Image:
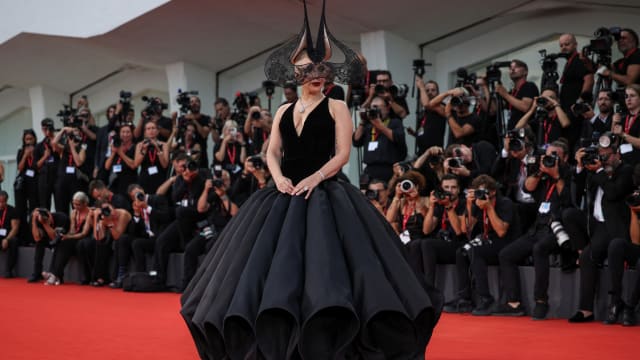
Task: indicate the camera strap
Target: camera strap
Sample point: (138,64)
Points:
(485,225)
(79,222)
(328,89)
(547,125)
(550,188)
(152,155)
(30,161)
(628,122)
(4,215)
(232,154)
(407,214)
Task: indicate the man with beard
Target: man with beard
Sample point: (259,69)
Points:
(430,128)
(520,98)
(201,123)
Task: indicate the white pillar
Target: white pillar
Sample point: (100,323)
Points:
(45,102)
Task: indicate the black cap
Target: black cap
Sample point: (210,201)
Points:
(46,122)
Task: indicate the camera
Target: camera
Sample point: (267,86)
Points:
(218,183)
(44,213)
(477,241)
(140,196)
(257,162)
(561,235)
(372,194)
(395,91)
(155,106)
(542,101)
(533,165)
(582,104)
(493,71)
(256,115)
(457,101)
(444,235)
(455,162)
(192,165)
(405,166)
(406,185)
(116,140)
(464,78)
(550,68)
(482,194)
(269,87)
(372,113)
(184,100)
(516,139)
(550,161)
(105,212)
(441,194)
(590,156)
(418,67)
(601,45)
(633,200)
(435,159)
(207,230)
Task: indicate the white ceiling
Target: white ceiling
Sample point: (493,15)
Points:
(218,34)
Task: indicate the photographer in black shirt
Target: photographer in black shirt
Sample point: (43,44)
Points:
(255,176)
(431,127)
(9,227)
(201,123)
(545,118)
(385,89)
(626,71)
(463,124)
(594,124)
(469,162)
(47,161)
(47,229)
(520,98)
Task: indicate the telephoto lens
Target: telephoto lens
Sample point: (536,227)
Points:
(561,235)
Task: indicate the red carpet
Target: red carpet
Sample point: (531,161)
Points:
(78,322)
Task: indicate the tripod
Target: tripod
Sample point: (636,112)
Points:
(501,127)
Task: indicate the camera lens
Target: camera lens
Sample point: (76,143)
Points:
(406,185)
(106,211)
(192,166)
(140,196)
(256,115)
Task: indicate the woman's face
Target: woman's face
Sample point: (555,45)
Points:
(29,139)
(151,130)
(310,75)
(78,205)
(125,134)
(632,100)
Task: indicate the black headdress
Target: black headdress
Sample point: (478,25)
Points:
(280,67)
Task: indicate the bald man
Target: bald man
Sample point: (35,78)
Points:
(577,77)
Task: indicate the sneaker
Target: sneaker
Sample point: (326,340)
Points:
(508,310)
(629,316)
(614,312)
(540,311)
(52,280)
(458,305)
(484,306)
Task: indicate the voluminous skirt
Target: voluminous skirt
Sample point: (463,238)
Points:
(323,278)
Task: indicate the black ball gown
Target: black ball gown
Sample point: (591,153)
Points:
(323,278)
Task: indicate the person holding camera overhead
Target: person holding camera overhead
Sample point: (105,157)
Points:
(382,136)
(70,146)
(625,71)
(121,163)
(231,152)
(550,119)
(549,186)
(489,224)
(606,181)
(408,209)
(46,229)
(153,113)
(47,160)
(463,124)
(192,104)
(81,222)
(626,126)
(520,98)
(152,157)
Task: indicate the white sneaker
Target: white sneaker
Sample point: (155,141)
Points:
(52,280)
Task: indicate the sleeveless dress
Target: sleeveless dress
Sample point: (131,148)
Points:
(323,278)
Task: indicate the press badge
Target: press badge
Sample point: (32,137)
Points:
(184,203)
(237,169)
(117,168)
(404,237)
(30,173)
(626,148)
(373,146)
(71,170)
(152,170)
(420,131)
(3,232)
(544,208)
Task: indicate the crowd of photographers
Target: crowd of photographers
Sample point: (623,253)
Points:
(544,175)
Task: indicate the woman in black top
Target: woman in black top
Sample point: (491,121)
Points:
(26,184)
(120,164)
(69,144)
(408,208)
(152,156)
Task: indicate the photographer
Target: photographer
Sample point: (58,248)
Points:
(197,119)
(110,230)
(47,161)
(577,75)
(121,164)
(69,144)
(290,90)
(150,217)
(378,194)
(185,193)
(218,209)
(521,97)
(104,139)
(431,165)
(606,181)
(9,228)
(255,176)
(443,229)
(489,225)
(46,229)
(510,169)
(187,144)
(153,113)
(408,209)
(25,186)
(545,117)
(152,157)
(597,124)
(390,93)
(463,124)
(628,128)
(626,71)
(223,113)
(257,128)
(621,251)
(100,193)
(231,152)
(431,128)
(79,228)
(469,162)
(550,188)
(382,136)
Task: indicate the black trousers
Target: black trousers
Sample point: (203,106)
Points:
(621,251)
(46,185)
(194,248)
(12,255)
(140,247)
(476,261)
(103,252)
(175,237)
(539,242)
(65,187)
(575,223)
(64,251)
(122,248)
(425,254)
(26,199)
(38,256)
(86,251)
(591,260)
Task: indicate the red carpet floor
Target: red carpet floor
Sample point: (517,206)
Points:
(77,322)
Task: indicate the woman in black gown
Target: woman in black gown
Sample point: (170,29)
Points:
(311,269)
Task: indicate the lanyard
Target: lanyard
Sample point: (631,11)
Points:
(485,225)
(30,161)
(232,154)
(406,215)
(70,159)
(550,189)
(566,66)
(628,123)
(547,125)
(4,215)
(79,222)
(424,121)
(152,155)
(515,92)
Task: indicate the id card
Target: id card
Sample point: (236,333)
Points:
(71,170)
(3,232)
(544,208)
(626,148)
(30,173)
(420,131)
(117,168)
(237,169)
(404,237)
(373,146)
(50,159)
(184,203)
(152,170)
